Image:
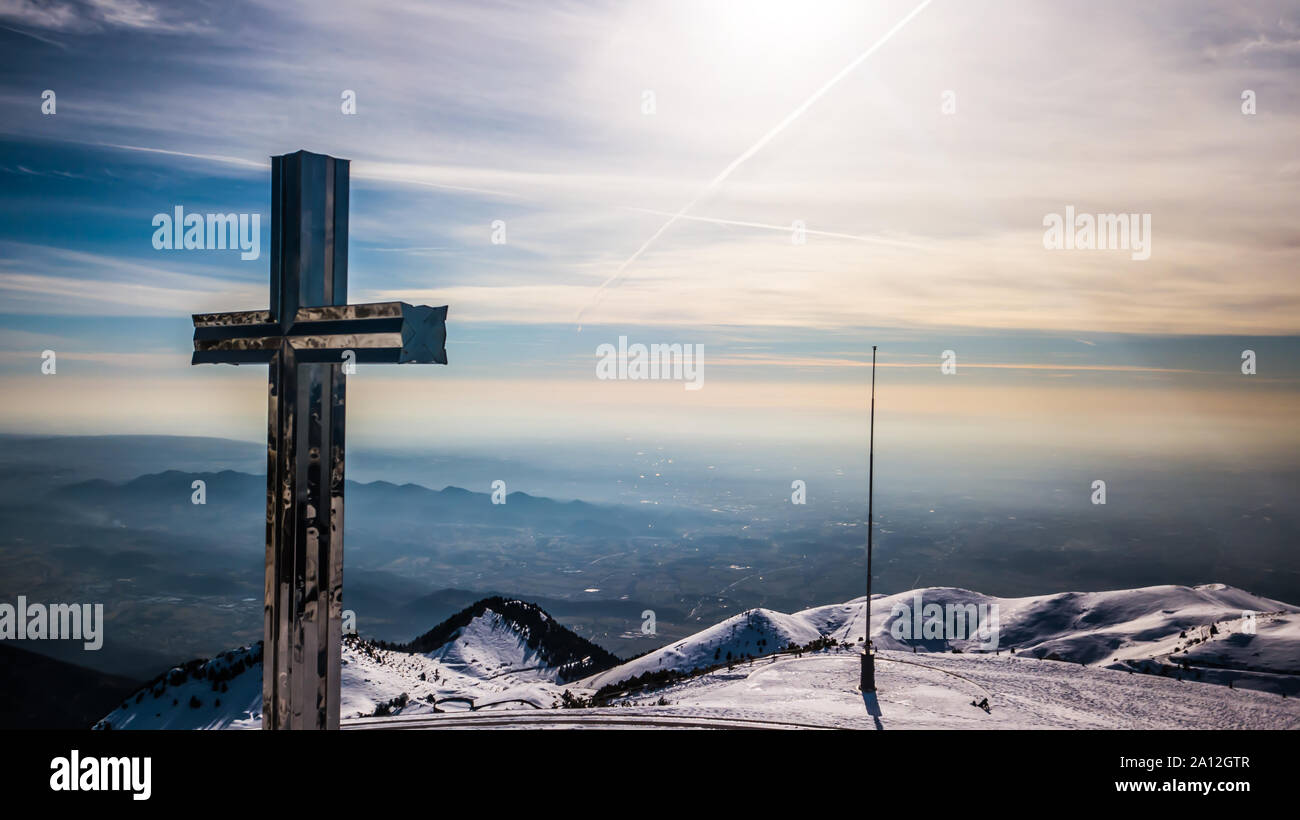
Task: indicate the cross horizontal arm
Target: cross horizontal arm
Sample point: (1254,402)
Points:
(378,333)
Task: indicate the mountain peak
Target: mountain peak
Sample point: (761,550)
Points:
(509,634)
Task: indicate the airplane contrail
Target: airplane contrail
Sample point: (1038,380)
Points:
(880,240)
(749,152)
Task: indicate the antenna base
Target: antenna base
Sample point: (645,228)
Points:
(867,679)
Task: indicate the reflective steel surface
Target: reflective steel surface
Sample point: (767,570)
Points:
(303,339)
(393,332)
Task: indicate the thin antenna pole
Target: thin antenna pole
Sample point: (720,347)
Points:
(867,683)
(871,475)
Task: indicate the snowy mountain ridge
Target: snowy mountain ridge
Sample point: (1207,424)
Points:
(495,650)
(1057,656)
(1146,629)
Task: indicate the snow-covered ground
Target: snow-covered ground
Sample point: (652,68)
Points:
(940,692)
(1070,660)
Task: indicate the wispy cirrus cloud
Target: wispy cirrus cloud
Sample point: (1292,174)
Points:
(82,16)
(45,280)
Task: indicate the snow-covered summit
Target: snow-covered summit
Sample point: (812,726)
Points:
(499,635)
(750,634)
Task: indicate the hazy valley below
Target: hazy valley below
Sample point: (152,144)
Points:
(111,520)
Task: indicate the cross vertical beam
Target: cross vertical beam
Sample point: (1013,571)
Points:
(303,604)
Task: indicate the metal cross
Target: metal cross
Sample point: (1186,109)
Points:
(307,337)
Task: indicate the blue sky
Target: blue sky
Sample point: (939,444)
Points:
(925,227)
